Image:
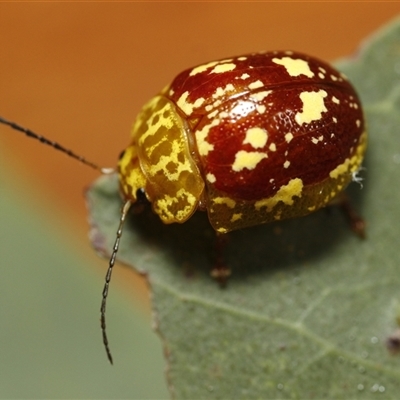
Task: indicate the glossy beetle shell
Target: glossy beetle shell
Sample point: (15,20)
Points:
(252,139)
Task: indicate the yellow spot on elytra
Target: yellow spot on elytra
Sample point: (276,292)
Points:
(321,75)
(242,58)
(313,107)
(259,96)
(182,101)
(256,137)
(236,217)
(352,164)
(335,100)
(334,119)
(289,137)
(294,67)
(358,123)
(186,106)
(202,145)
(285,194)
(211,178)
(221,68)
(255,85)
(220,91)
(212,114)
(334,78)
(225,200)
(244,76)
(202,68)
(286,164)
(247,159)
(272,147)
(261,109)
(317,140)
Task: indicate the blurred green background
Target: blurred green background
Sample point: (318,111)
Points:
(78,73)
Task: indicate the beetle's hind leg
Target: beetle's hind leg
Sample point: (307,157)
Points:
(356,222)
(221,271)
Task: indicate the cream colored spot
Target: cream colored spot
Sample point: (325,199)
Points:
(186,106)
(272,147)
(261,109)
(313,107)
(182,101)
(247,159)
(245,76)
(358,123)
(321,75)
(202,145)
(286,164)
(211,178)
(221,68)
(202,68)
(225,200)
(340,169)
(220,91)
(199,102)
(285,194)
(334,78)
(256,137)
(289,137)
(236,217)
(294,67)
(323,70)
(335,100)
(255,85)
(259,96)
(212,114)
(317,140)
(217,103)
(334,119)
(242,58)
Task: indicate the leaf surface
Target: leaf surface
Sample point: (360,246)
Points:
(309,307)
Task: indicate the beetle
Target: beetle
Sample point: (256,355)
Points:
(249,139)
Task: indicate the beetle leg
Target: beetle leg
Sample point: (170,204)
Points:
(357,223)
(220,272)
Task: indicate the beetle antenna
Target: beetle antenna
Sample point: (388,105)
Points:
(55,145)
(124,212)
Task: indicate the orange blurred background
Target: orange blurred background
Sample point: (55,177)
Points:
(79,72)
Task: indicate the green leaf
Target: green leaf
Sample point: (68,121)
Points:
(309,307)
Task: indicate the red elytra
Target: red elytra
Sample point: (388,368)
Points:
(268,136)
